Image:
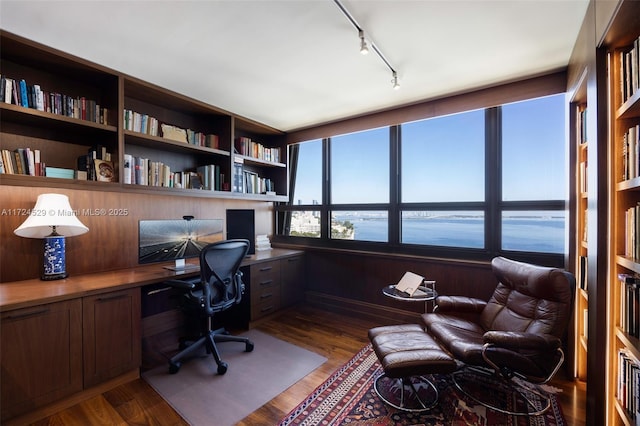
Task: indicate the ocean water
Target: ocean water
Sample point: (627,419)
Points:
(543,235)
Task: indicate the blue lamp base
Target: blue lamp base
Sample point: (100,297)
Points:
(55,265)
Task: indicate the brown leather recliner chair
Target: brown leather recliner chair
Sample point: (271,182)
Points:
(517,333)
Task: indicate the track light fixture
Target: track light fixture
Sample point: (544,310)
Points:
(394,81)
(364,48)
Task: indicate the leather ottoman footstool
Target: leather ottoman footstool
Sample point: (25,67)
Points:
(407,354)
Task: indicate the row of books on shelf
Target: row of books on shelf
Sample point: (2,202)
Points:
(250,148)
(143,171)
(630,70)
(144,123)
(95,165)
(632,232)
(254,184)
(249,182)
(630,153)
(630,304)
(22,161)
(19,92)
(628,385)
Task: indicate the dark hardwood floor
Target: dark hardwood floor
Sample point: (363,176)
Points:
(335,336)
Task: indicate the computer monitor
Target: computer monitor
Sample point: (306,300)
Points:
(176,239)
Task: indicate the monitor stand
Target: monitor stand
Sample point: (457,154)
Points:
(181,266)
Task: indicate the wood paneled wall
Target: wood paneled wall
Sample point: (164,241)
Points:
(336,276)
(112,240)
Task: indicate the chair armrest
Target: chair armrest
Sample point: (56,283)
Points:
(518,340)
(182,285)
(459,304)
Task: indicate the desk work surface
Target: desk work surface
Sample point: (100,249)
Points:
(34,292)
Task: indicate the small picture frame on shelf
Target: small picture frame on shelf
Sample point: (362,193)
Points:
(104,171)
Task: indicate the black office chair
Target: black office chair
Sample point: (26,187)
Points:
(219,287)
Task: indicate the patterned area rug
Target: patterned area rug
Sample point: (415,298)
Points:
(348,398)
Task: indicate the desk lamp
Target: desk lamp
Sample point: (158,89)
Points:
(53,220)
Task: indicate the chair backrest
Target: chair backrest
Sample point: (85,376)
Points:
(529,298)
(220,273)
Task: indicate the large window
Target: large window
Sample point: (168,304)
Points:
(533,150)
(443,228)
(482,182)
(443,159)
(306,167)
(360,167)
(534,172)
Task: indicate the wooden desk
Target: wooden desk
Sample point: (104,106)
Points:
(67,340)
(35,292)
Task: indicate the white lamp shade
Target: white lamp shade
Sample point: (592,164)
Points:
(51,210)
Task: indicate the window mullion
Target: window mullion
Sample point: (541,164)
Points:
(493,173)
(394,183)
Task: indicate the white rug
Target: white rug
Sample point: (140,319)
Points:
(202,397)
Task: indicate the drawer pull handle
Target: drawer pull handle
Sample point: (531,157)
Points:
(266,295)
(266,268)
(112,297)
(159,290)
(295,259)
(28,314)
(266,282)
(266,309)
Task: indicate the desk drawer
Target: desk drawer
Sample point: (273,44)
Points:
(265,288)
(265,271)
(269,303)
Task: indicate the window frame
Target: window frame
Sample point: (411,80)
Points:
(493,205)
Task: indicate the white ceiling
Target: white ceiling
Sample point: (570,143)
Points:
(291,64)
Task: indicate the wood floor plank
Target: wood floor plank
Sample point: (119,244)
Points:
(335,336)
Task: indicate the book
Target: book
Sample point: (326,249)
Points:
(8,89)
(409,283)
(60,173)
(128,169)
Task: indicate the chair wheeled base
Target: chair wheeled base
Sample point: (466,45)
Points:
(416,393)
(529,408)
(209,342)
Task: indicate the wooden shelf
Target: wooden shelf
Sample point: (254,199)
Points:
(61,140)
(252,160)
(164,144)
(19,114)
(621,34)
(629,109)
(629,185)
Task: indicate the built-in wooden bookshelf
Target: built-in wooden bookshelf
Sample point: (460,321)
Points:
(622,47)
(579,140)
(189,152)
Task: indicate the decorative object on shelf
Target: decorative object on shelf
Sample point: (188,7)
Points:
(52,219)
(263,243)
(173,133)
(104,171)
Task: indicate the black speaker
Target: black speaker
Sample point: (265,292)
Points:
(241,225)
